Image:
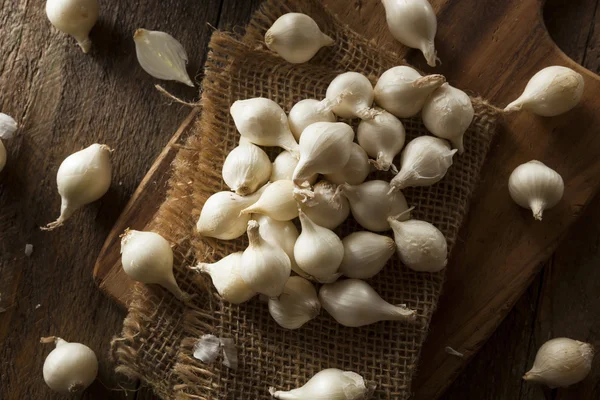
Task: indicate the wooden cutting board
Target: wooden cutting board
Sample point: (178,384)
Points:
(489,48)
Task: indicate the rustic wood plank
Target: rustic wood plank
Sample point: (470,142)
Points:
(512,347)
(65,100)
(150,192)
(569,303)
(572,26)
(495,373)
(236,14)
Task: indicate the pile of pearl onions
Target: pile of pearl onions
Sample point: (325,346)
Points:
(296,38)
(561,362)
(75,18)
(82,178)
(147,257)
(550,92)
(69,368)
(447,114)
(413,23)
(535,186)
(402,91)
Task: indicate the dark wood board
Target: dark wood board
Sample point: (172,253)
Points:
(34,69)
(499,365)
(65,100)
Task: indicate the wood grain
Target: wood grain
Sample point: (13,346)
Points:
(497,375)
(65,100)
(569,302)
(510,351)
(138,213)
(150,194)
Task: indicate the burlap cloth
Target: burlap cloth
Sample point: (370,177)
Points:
(159,331)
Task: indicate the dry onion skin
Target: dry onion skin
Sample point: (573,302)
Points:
(161,55)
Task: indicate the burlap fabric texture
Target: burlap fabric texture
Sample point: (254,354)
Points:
(159,331)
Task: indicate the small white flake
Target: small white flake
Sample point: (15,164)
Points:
(207,348)
(230,354)
(28,249)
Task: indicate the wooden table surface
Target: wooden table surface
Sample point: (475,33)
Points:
(65,100)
